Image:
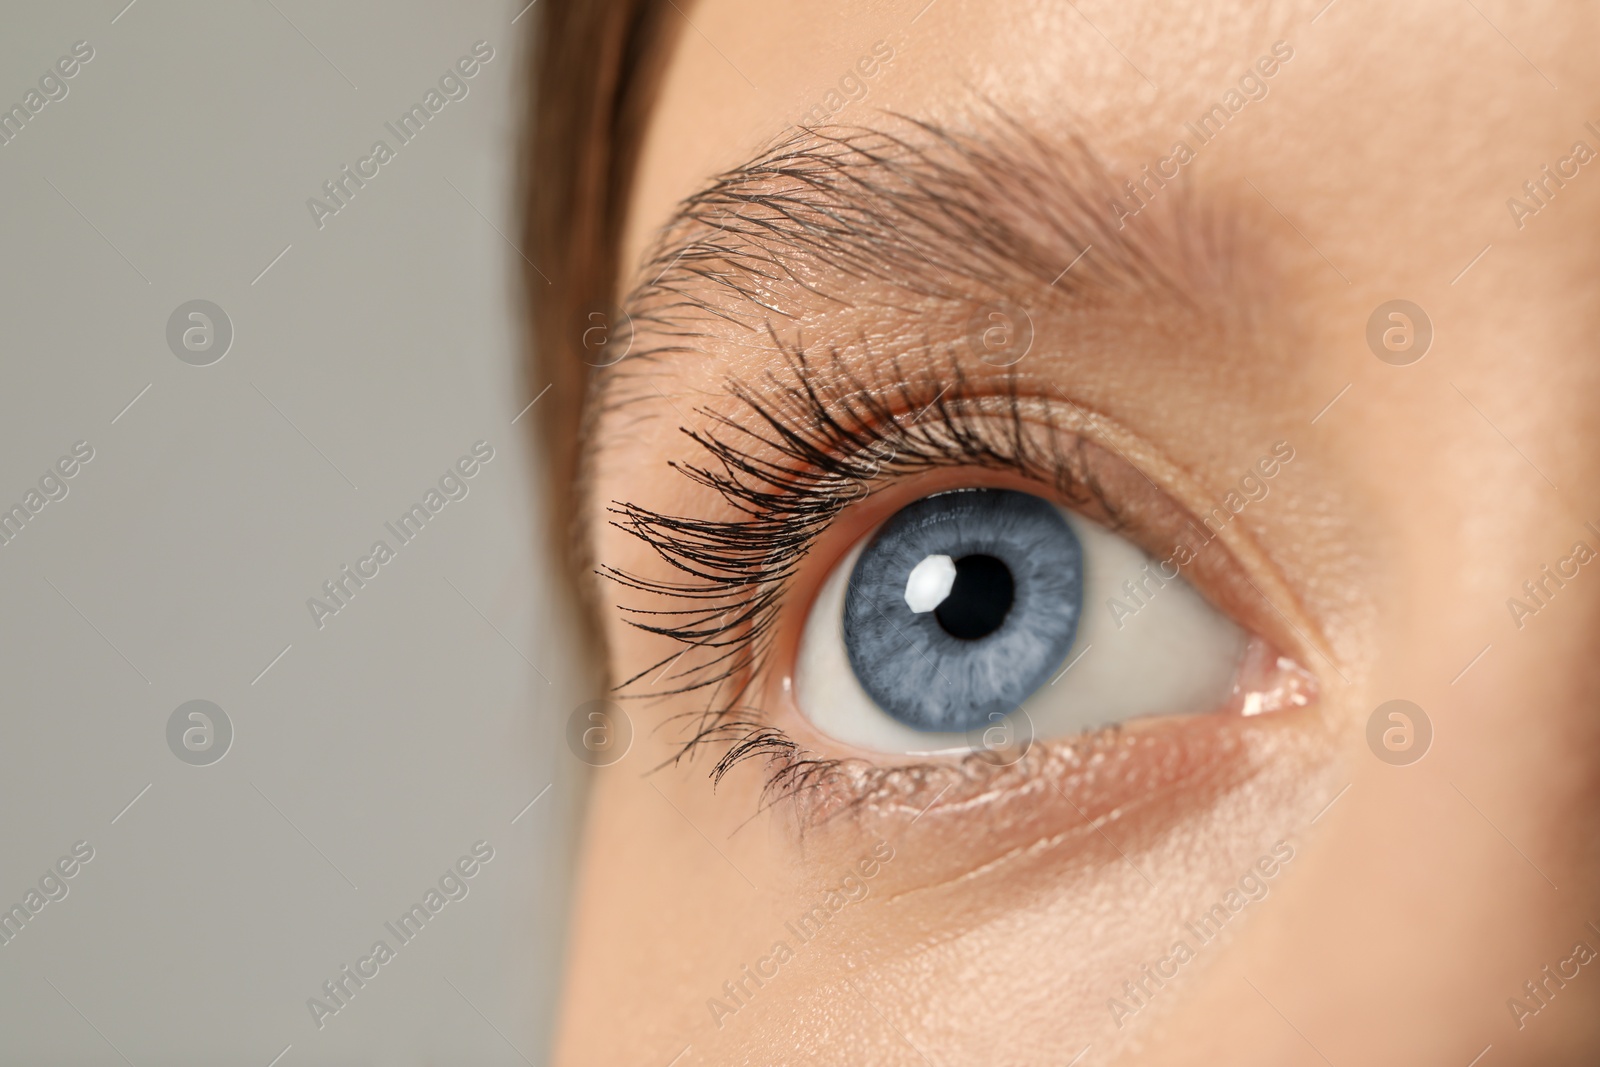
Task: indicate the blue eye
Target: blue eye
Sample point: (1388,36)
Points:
(962,605)
(967,606)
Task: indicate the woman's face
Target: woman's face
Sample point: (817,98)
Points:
(1263,339)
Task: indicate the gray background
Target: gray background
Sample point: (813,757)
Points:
(429,712)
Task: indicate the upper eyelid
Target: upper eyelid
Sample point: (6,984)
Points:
(1198,499)
(706,284)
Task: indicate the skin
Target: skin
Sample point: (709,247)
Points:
(1383,558)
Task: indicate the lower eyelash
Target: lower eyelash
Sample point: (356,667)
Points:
(817,442)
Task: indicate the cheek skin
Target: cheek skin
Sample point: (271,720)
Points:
(1015,901)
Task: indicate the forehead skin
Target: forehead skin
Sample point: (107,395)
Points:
(1378,166)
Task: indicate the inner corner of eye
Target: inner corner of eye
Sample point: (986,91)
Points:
(965,609)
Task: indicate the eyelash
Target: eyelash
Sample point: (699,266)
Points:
(820,443)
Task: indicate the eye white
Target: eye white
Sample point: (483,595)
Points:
(1156,647)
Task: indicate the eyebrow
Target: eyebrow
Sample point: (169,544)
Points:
(920,213)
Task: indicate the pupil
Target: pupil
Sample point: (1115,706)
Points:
(979,599)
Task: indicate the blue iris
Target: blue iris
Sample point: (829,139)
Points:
(1000,628)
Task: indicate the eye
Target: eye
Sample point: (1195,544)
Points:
(966,606)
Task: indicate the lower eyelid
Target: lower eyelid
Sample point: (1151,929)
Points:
(1056,807)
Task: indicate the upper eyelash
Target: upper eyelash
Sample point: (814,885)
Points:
(817,442)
